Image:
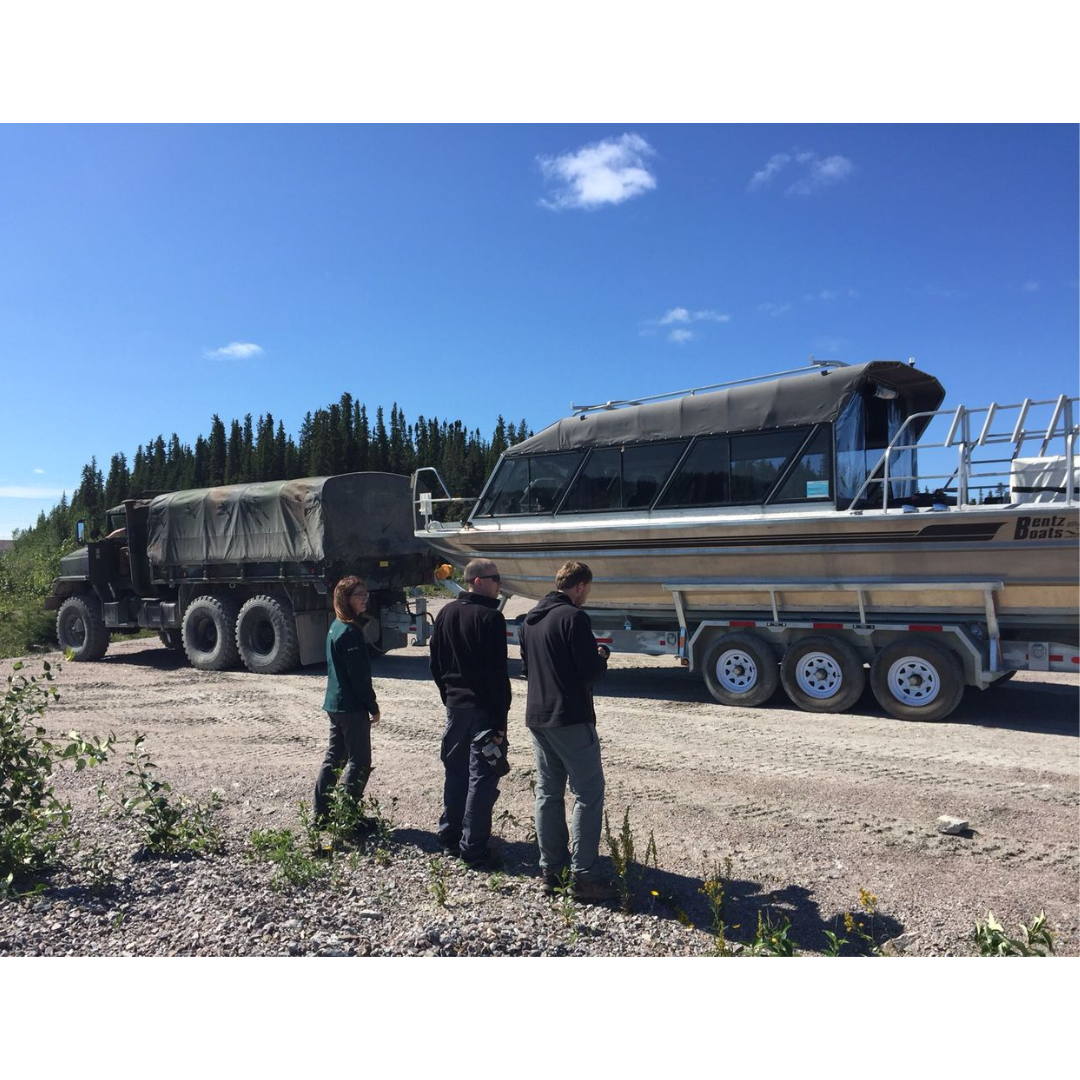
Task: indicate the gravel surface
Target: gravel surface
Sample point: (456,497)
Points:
(807,809)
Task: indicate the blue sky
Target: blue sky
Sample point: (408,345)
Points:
(153,275)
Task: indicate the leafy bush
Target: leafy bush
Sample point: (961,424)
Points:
(168,824)
(33,820)
(295,866)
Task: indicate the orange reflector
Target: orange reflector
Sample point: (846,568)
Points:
(443,572)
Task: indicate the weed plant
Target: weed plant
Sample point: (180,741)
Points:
(624,858)
(168,824)
(33,820)
(438,879)
(1034,940)
(293,861)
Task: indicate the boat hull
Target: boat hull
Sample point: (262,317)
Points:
(1031,550)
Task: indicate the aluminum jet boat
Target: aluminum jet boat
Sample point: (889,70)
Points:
(800,493)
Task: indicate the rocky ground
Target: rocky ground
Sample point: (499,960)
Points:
(797,812)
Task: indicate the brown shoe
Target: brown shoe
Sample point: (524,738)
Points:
(590,890)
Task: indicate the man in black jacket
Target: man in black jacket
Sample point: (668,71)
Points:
(468,664)
(561,660)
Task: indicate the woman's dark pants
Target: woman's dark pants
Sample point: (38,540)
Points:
(350,745)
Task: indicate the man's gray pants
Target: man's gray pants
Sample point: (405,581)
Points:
(568,755)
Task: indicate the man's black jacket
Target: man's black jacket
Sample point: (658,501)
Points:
(468,656)
(561,662)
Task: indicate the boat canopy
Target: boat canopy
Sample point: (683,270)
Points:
(797,400)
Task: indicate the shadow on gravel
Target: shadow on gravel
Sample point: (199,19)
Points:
(156,657)
(680,898)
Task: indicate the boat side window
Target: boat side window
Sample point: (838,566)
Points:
(599,484)
(702,479)
(529,485)
(758,460)
(811,478)
(623,478)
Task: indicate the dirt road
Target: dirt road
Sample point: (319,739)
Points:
(809,809)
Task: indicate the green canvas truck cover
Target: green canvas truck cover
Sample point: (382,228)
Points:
(335,520)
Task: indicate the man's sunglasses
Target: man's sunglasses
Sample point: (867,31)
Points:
(488,577)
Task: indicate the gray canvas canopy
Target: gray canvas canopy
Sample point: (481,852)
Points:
(339,520)
(794,401)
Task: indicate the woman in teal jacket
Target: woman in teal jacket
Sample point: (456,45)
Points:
(350,698)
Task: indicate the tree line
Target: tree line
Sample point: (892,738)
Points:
(337,439)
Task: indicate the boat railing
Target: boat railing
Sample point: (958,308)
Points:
(814,365)
(424,502)
(987,442)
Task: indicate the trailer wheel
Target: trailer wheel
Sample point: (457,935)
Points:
(80,628)
(822,674)
(741,670)
(266,636)
(916,679)
(209,633)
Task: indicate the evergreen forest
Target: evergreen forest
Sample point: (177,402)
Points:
(340,438)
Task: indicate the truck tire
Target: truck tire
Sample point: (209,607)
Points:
(822,674)
(209,633)
(740,669)
(266,636)
(171,639)
(80,628)
(916,679)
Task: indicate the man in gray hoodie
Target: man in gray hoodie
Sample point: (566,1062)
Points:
(561,661)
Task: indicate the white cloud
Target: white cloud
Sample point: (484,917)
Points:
(235,350)
(683,315)
(600,174)
(1031,286)
(764,176)
(831,294)
(40,472)
(680,337)
(773,309)
(17,492)
(817,172)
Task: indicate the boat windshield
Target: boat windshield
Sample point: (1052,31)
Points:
(529,485)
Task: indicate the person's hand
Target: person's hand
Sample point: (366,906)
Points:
(499,736)
(375,717)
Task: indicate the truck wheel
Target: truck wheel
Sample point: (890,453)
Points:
(741,670)
(916,679)
(171,639)
(266,636)
(80,628)
(209,633)
(822,674)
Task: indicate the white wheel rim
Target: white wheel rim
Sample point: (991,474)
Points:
(914,681)
(736,671)
(818,675)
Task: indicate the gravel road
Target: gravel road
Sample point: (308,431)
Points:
(808,809)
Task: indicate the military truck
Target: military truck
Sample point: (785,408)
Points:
(246,573)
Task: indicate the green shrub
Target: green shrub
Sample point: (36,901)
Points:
(33,821)
(168,824)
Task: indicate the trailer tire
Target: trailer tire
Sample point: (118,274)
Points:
(80,628)
(822,674)
(916,679)
(209,633)
(740,669)
(266,636)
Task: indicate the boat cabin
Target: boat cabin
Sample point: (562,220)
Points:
(811,438)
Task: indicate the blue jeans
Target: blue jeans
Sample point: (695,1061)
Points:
(470,788)
(350,745)
(568,754)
